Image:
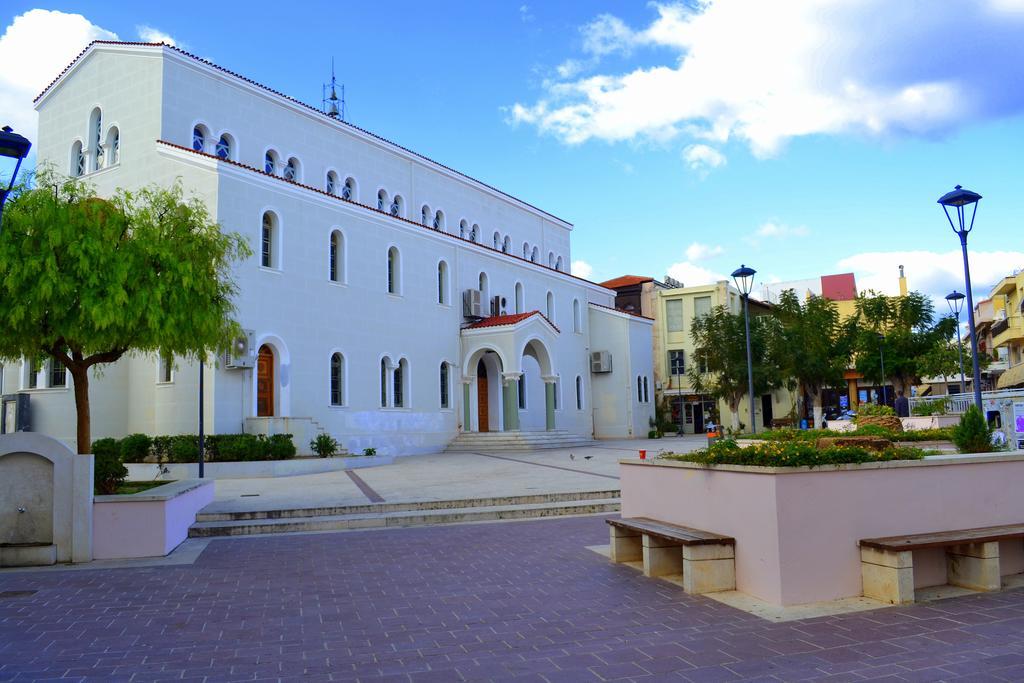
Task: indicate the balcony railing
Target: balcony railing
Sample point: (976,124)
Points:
(1000,326)
(957,404)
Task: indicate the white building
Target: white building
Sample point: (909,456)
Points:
(363,254)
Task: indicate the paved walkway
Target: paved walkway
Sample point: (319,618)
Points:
(521,601)
(446,476)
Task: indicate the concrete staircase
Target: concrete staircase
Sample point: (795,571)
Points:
(381,515)
(488,442)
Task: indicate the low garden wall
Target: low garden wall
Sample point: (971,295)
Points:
(255,469)
(147,524)
(797,528)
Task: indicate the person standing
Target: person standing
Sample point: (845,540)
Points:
(902,406)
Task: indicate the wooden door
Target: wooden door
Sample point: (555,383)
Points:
(265,382)
(483,416)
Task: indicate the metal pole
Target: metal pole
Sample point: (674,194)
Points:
(970,320)
(960,349)
(202,438)
(881,353)
(750,364)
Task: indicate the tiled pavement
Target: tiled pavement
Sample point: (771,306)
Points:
(520,601)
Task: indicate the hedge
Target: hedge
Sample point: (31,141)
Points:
(791,454)
(184,448)
(941,434)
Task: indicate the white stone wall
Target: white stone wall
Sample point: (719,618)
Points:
(618,411)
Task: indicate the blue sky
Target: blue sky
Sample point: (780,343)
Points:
(678,140)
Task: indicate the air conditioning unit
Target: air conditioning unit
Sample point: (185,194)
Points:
(499,305)
(242,353)
(471,304)
(600,361)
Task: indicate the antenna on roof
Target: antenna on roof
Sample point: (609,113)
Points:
(333,106)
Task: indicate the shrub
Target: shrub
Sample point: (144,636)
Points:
(108,471)
(785,435)
(370,451)
(238,447)
(161,449)
(184,448)
(280,447)
(324,445)
(105,448)
(934,407)
(792,454)
(973,435)
(135,447)
(874,409)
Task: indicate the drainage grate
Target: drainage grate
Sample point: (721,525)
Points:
(249,495)
(16,594)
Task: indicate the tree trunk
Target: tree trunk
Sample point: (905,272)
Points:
(734,406)
(816,407)
(80,375)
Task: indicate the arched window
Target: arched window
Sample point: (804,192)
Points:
(96,138)
(397,206)
(506,245)
(558,264)
(292,170)
(199,137)
(337,257)
(485,304)
(497,240)
(337,380)
(519,297)
(394,271)
(579,393)
(77,159)
(639,390)
(577,317)
(438,220)
(526,250)
(270,162)
(269,237)
(444,384)
(551,307)
(113,146)
(383,382)
(534,255)
(463,228)
(332,183)
(647,396)
(474,233)
(382,200)
(442,282)
(349,190)
(225,147)
(400,379)
(551,259)
(425,215)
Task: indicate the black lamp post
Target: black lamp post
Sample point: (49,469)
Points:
(202,433)
(881,355)
(956,303)
(12,146)
(744,279)
(959,199)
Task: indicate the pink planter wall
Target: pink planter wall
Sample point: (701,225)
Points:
(147,524)
(797,529)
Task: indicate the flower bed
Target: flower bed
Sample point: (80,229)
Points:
(792,454)
(811,435)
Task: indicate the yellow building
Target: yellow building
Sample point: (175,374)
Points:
(1007,328)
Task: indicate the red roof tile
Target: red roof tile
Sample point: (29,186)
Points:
(626,281)
(511,319)
(292,100)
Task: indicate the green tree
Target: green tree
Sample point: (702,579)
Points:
(811,346)
(911,339)
(85,280)
(720,349)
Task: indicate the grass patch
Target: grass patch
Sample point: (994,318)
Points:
(792,454)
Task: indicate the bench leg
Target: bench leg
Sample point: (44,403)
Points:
(625,545)
(974,565)
(888,576)
(709,568)
(661,557)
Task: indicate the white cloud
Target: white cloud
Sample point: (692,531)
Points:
(525,14)
(34,49)
(703,159)
(692,275)
(148,34)
(582,269)
(571,68)
(780,230)
(931,272)
(766,72)
(697,251)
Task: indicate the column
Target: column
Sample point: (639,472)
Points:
(510,398)
(549,400)
(466,414)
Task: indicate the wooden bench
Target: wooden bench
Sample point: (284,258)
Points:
(972,560)
(707,561)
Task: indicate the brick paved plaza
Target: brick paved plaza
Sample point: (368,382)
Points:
(508,601)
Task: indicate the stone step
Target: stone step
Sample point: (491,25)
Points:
(561,497)
(401,519)
(517,441)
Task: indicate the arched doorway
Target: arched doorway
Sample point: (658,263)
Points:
(482,398)
(265,382)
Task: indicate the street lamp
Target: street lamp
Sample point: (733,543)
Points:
(12,146)
(881,355)
(956,303)
(744,279)
(959,199)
